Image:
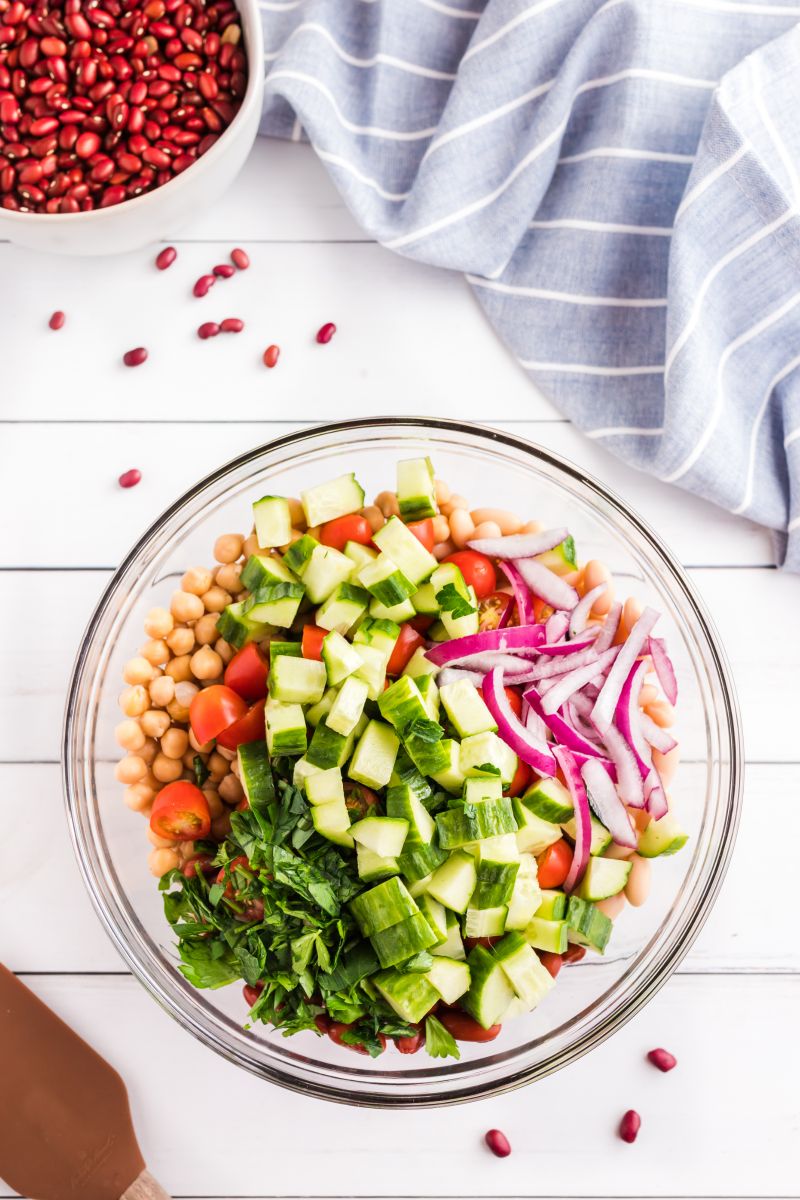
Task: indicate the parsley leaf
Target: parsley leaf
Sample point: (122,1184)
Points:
(450,600)
(439,1042)
(208,964)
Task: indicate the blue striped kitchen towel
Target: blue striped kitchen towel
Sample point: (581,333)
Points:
(620,182)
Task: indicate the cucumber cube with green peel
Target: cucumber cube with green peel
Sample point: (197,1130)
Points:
(420,887)
(553,905)
(418,861)
(298,555)
(319,711)
(526,896)
(383,906)
(485,922)
(339,657)
(411,996)
(263,569)
(454,882)
(549,800)
(374,756)
(429,757)
(403,940)
(372,866)
(495,884)
(401,703)
(602,878)
(237,627)
(601,838)
(325,787)
(466,709)
(534,835)
(662,837)
(450,977)
(450,776)
(324,571)
(328,748)
(490,991)
(372,671)
(461,826)
(384,580)
(546,935)
(378,632)
(424,600)
(486,787)
(332,821)
(501,849)
(303,769)
(255,774)
(529,979)
(400,545)
(587,925)
(276,649)
(458,605)
(436,916)
(359,554)
(384,835)
(401,802)
(405,772)
(430,695)
(561,559)
(404,611)
(416,489)
(274,604)
(333,499)
(418,666)
(297,680)
(348,705)
(273,521)
(342,608)
(286,728)
(453,945)
(487,750)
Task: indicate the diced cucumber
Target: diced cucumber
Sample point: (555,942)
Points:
(526,896)
(662,837)
(405,550)
(404,611)
(333,499)
(588,926)
(547,935)
(454,882)
(430,695)
(273,521)
(384,580)
(303,770)
(328,748)
(453,945)
(419,861)
(458,606)
(529,979)
(347,706)
(298,555)
(382,906)
(436,916)
(402,803)
(549,800)
(499,849)
(378,632)
(297,680)
(342,608)
(490,991)
(261,570)
(383,835)
(275,604)
(424,600)
(359,554)
(416,491)
(332,821)
(450,777)
(325,787)
(418,666)
(324,571)
(460,826)
(373,758)
(485,787)
(237,627)
(487,749)
(372,866)
(485,922)
(339,657)
(276,649)
(401,703)
(428,757)
(553,906)
(450,977)
(465,707)
(495,883)
(561,559)
(603,877)
(403,940)
(601,838)
(286,728)
(420,887)
(406,772)
(373,668)
(534,834)
(411,995)
(319,711)
(255,774)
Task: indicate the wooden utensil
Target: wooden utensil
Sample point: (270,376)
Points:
(65,1123)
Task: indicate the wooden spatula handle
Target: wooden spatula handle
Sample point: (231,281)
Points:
(144,1187)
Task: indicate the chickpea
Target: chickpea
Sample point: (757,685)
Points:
(162,690)
(174,743)
(206,747)
(215,599)
(186,850)
(178,712)
(441,529)
(230,790)
(294,536)
(297,513)
(139,797)
(156,651)
(217,765)
(162,860)
(443,550)
(181,640)
(230,755)
(158,623)
(185,693)
(130,769)
(374,516)
(215,806)
(595,573)
(149,750)
(186,606)
(314,531)
(228,547)
(155,723)
(229,578)
(387,503)
(631,611)
(206,664)
(455,501)
(179,669)
(236,769)
(662,712)
(487,529)
(441,491)
(225,650)
(167,770)
(251,546)
(461,527)
(129,735)
(221,826)
(155,839)
(197,580)
(137,670)
(188,761)
(205,631)
(134,701)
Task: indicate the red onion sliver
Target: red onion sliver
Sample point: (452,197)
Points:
(534,723)
(603,711)
(507,612)
(518,637)
(610,626)
(627,717)
(570,683)
(605,801)
(563,731)
(454,674)
(583,817)
(656,797)
(660,739)
(629,778)
(520,545)
(522,595)
(545,584)
(581,643)
(535,753)
(510,663)
(580,614)
(662,664)
(605,763)
(545,668)
(556,626)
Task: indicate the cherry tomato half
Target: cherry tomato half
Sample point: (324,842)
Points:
(252,993)
(554,864)
(337,1028)
(422,622)
(423,532)
(214,709)
(477,570)
(464,1028)
(551,962)
(313,637)
(488,942)
(198,862)
(515,701)
(574,953)
(246,673)
(180,812)
(522,777)
(492,609)
(412,1043)
(359,800)
(251,728)
(408,641)
(227,875)
(340,531)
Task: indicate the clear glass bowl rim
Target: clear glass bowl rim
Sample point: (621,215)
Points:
(663,966)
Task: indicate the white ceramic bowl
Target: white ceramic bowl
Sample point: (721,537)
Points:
(156,214)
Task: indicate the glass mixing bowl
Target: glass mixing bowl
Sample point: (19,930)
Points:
(592,999)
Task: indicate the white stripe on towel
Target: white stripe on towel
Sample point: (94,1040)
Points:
(588,368)
(623,431)
(602,227)
(751,458)
(514,289)
(709,179)
(396,135)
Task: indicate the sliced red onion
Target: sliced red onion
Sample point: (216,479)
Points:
(605,763)
(629,778)
(656,797)
(608,807)
(564,733)
(662,664)
(510,663)
(507,613)
(520,545)
(530,749)
(545,584)
(610,626)
(556,626)
(603,711)
(517,638)
(570,683)
(659,739)
(579,723)
(582,643)
(455,674)
(561,664)
(583,817)
(627,717)
(534,722)
(580,614)
(522,596)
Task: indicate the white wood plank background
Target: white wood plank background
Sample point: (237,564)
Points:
(410,340)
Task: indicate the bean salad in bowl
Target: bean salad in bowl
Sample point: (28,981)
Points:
(400,762)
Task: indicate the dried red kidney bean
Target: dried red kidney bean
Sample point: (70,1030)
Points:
(135,358)
(224,270)
(232,325)
(498,1143)
(238,257)
(57,320)
(130,478)
(325,333)
(166,257)
(203,285)
(208,329)
(662,1059)
(630,1125)
(271,355)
